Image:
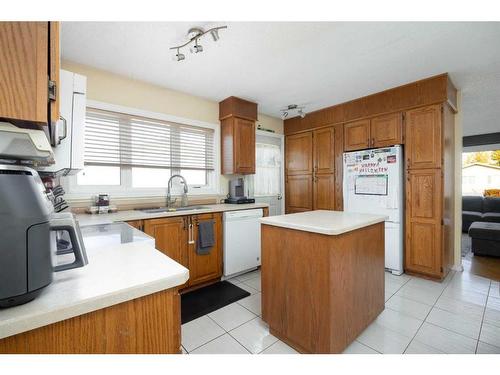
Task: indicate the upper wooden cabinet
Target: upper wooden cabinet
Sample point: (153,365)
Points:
(357,135)
(238,146)
(310,170)
(324,150)
(386,130)
(237,118)
(29,57)
(380,131)
(299,154)
(424,137)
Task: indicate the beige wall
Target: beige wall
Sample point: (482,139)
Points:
(115,89)
(111,88)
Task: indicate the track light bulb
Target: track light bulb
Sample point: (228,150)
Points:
(178,56)
(301,113)
(197,48)
(284,115)
(215,34)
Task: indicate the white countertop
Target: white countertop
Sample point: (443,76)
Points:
(88,219)
(118,271)
(324,222)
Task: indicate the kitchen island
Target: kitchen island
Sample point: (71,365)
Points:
(322,277)
(124,301)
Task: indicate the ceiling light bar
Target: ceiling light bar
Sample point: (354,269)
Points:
(194,34)
(291,108)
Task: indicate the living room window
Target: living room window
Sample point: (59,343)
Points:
(134,154)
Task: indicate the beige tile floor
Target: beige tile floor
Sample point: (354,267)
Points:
(459,315)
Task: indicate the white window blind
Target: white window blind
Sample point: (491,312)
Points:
(113,138)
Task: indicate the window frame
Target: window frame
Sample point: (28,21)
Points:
(125,189)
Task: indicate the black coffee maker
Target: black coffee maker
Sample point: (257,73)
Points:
(28,244)
(237,192)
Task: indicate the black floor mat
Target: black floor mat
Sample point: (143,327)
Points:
(210,298)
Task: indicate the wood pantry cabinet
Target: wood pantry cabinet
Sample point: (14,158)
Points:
(310,170)
(30,60)
(177,236)
(237,117)
(423,221)
(380,131)
(426,251)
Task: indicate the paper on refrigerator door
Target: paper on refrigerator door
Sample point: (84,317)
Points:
(371,184)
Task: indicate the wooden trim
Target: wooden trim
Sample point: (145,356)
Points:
(237,107)
(432,90)
(54,68)
(146,325)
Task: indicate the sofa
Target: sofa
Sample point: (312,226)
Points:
(480,209)
(485,238)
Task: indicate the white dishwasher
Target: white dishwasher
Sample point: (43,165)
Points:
(241,241)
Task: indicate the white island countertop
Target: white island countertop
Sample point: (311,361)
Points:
(123,265)
(331,223)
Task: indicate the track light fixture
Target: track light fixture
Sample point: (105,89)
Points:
(291,108)
(194,35)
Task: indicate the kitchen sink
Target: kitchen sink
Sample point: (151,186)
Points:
(172,209)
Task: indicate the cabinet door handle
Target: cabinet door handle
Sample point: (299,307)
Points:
(191,234)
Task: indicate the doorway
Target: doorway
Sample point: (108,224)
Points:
(480,183)
(269,178)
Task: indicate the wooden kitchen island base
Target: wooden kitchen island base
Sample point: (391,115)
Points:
(150,324)
(319,292)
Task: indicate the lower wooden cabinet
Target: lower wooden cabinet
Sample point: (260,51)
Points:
(177,236)
(324,192)
(171,238)
(203,268)
(137,224)
(299,193)
(424,250)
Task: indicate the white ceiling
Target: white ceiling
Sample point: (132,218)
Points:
(316,64)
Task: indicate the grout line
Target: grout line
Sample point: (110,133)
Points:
(238,302)
(482,319)
(229,333)
(199,346)
(214,337)
(368,346)
(425,319)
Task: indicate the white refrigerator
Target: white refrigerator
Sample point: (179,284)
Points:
(373,184)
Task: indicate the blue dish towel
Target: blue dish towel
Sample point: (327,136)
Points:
(206,237)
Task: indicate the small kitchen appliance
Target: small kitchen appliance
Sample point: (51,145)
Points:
(28,243)
(237,192)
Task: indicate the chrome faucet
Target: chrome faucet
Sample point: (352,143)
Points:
(184,199)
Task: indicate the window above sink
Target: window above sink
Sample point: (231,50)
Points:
(125,180)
